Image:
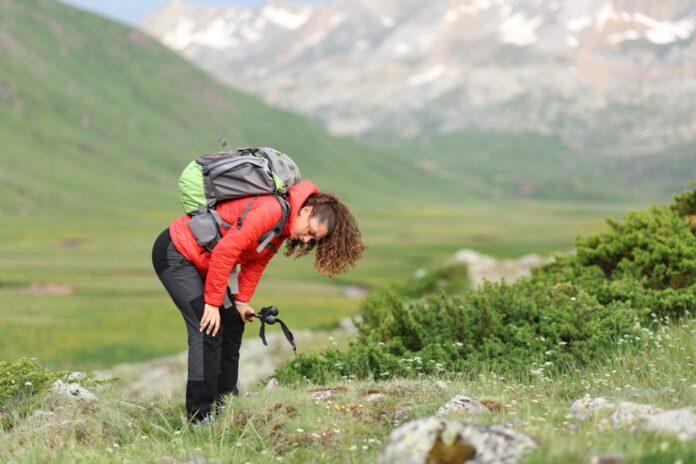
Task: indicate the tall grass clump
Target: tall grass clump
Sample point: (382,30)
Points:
(617,288)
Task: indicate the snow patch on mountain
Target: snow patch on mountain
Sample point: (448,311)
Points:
(664,32)
(520,30)
(287,19)
(578,24)
(427,76)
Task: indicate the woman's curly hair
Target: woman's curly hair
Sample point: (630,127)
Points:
(342,247)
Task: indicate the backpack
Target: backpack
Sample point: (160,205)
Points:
(245,172)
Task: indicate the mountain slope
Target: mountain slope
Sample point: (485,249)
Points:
(97,117)
(589,72)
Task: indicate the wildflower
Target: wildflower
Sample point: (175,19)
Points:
(300,430)
(27,383)
(353,448)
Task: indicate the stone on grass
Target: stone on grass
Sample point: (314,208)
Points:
(461,404)
(375,396)
(403,413)
(73,391)
(441,385)
(585,408)
(76,376)
(680,422)
(627,413)
(273,383)
(434,440)
(322,395)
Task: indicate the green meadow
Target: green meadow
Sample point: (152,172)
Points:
(80,292)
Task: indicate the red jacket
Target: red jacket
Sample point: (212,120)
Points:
(238,246)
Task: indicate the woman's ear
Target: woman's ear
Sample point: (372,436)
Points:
(306,211)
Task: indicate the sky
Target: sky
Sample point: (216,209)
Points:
(132,11)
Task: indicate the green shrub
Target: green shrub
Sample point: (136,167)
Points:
(22,383)
(613,290)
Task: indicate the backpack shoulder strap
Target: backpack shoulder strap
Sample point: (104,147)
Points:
(265,240)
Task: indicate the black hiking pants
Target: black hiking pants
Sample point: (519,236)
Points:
(213,362)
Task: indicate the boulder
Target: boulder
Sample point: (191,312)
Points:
(627,413)
(461,404)
(434,440)
(322,395)
(680,422)
(73,391)
(585,408)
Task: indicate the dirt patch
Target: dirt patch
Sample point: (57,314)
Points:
(493,405)
(47,288)
(339,388)
(6,42)
(72,243)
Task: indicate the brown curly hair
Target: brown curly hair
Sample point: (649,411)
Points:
(342,247)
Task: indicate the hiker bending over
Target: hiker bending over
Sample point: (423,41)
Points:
(197,279)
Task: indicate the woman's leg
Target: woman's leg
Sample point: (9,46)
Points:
(233,328)
(185,286)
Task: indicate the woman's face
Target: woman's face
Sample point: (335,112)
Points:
(305,229)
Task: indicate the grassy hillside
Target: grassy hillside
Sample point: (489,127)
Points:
(99,119)
(526,165)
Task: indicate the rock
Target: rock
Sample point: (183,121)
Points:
(322,395)
(403,413)
(442,441)
(167,375)
(273,383)
(483,267)
(587,407)
(76,376)
(73,391)
(461,404)
(441,385)
(628,413)
(680,422)
(375,396)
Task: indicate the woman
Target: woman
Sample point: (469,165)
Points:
(197,279)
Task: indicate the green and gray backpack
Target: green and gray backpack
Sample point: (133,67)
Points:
(245,172)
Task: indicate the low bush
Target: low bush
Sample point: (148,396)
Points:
(614,289)
(22,382)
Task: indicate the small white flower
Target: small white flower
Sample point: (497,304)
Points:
(353,448)
(27,383)
(300,430)
(177,432)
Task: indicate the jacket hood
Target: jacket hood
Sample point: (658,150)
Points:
(297,195)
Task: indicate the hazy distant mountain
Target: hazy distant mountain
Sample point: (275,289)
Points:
(611,73)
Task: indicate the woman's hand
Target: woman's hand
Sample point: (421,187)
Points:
(245,312)
(211,320)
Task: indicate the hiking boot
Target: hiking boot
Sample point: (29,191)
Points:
(203,424)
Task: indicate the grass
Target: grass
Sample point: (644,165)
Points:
(286,424)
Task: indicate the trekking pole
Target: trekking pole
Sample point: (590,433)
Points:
(268,315)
